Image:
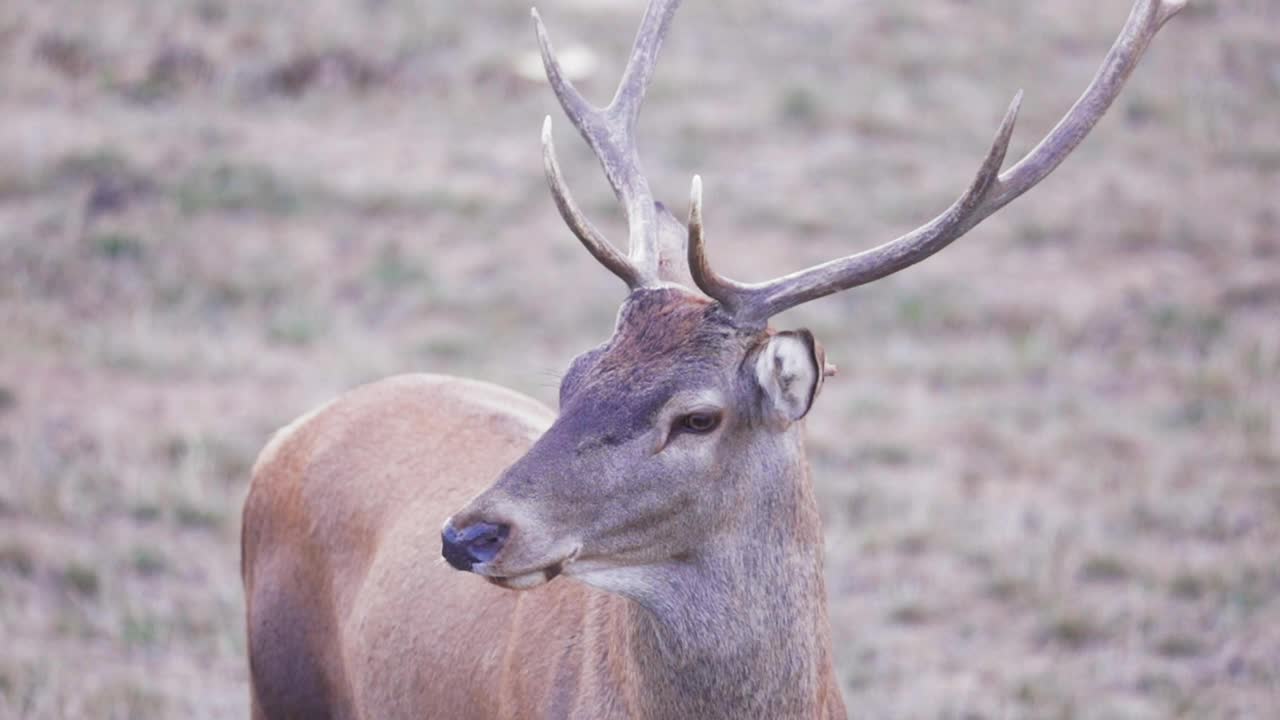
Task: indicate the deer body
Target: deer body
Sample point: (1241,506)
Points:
(349,500)
(352,495)
(671,487)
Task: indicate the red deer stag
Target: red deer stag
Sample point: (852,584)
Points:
(672,486)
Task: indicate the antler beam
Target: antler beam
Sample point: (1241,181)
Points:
(754,304)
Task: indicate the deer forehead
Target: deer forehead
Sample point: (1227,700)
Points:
(669,348)
(665,341)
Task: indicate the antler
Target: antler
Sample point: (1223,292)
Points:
(610,132)
(989,191)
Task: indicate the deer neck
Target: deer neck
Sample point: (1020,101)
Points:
(739,630)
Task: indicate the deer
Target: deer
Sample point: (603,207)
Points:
(671,488)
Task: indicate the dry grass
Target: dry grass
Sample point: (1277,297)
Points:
(1051,463)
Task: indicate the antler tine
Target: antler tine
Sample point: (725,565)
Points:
(611,134)
(608,255)
(727,292)
(756,303)
(1145,20)
(989,191)
(644,55)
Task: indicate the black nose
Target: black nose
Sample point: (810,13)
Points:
(473,544)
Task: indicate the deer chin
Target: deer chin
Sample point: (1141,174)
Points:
(627,580)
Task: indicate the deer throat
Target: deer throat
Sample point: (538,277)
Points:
(739,631)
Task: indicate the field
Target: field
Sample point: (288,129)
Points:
(1049,467)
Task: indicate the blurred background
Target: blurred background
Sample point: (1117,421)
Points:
(1049,467)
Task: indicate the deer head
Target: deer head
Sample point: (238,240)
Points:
(682,432)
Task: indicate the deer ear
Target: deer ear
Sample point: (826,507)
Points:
(789,369)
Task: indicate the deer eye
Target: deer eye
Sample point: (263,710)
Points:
(699,423)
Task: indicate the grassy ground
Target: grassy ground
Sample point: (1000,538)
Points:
(1050,465)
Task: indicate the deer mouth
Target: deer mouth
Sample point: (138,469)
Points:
(528,579)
